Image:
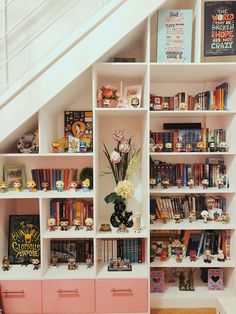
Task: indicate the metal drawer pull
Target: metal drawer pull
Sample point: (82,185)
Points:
(67,291)
(12,291)
(121,290)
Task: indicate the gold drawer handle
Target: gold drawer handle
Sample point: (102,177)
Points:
(13,291)
(121,290)
(67,291)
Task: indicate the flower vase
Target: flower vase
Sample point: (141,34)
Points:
(107,103)
(121,216)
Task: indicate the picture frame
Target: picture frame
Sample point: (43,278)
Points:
(14,172)
(172,250)
(133,96)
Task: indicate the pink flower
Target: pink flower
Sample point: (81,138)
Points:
(124,147)
(118,135)
(99,94)
(115,157)
(107,92)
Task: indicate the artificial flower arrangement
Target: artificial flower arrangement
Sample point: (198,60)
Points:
(123,160)
(107,96)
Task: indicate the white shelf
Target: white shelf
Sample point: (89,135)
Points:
(166,154)
(120,112)
(131,234)
(48,194)
(124,71)
(21,273)
(198,190)
(48,155)
(196,225)
(138,271)
(70,234)
(171,262)
(61,272)
(191,113)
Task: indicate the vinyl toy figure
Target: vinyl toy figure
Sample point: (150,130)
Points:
(205,215)
(30,184)
(76,223)
(179,183)
(193,255)
(177,218)
(212,146)
(205,183)
(183,106)
(72,263)
(191,216)
(165,183)
(45,186)
(168,147)
(152,218)
(51,224)
(59,185)
(86,185)
(207,255)
(220,256)
(165,106)
(164,216)
(73,186)
(89,261)
(159,147)
(225,218)
(188,147)
(64,224)
(54,259)
(179,256)
(179,146)
(3,187)
(223,147)
(5,263)
(17,186)
(134,102)
(220,183)
(201,146)
(191,183)
(89,224)
(35,262)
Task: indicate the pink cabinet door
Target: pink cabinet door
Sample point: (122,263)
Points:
(121,296)
(68,296)
(21,296)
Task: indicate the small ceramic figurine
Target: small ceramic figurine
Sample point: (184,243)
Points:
(201,146)
(205,183)
(225,218)
(207,255)
(223,147)
(59,185)
(205,215)
(86,185)
(179,146)
(164,216)
(35,262)
(152,218)
(220,183)
(89,261)
(5,263)
(3,187)
(188,147)
(177,218)
(135,102)
(54,259)
(193,255)
(191,216)
(212,145)
(165,183)
(73,186)
(190,283)
(168,147)
(179,183)
(220,256)
(51,224)
(76,223)
(179,256)
(183,106)
(72,263)
(17,186)
(165,106)
(64,224)
(137,222)
(89,224)
(191,183)
(30,184)
(45,186)
(122,228)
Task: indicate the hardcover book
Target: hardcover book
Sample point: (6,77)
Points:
(24,238)
(219,28)
(174,36)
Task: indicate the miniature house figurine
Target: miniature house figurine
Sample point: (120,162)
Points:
(205,215)
(59,185)
(64,224)
(51,224)
(3,187)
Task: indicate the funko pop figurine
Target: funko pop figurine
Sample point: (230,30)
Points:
(72,263)
(152,146)
(3,187)
(89,261)
(179,256)
(205,183)
(59,185)
(35,262)
(165,183)
(179,146)
(177,218)
(55,147)
(64,224)
(73,186)
(159,147)
(168,147)
(17,186)
(183,106)
(164,216)
(220,256)
(89,224)
(201,146)
(179,183)
(205,215)
(152,218)
(212,146)
(220,183)
(153,182)
(30,184)
(76,223)
(54,259)
(222,147)
(51,224)
(164,254)
(165,106)
(45,186)
(225,218)
(5,263)
(86,185)
(191,216)
(134,102)
(188,147)
(207,255)
(197,106)
(193,255)
(191,183)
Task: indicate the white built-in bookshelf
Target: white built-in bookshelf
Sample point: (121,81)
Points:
(163,79)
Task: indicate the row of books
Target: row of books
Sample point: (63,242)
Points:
(78,249)
(213,168)
(208,100)
(71,209)
(132,249)
(188,140)
(53,175)
(184,204)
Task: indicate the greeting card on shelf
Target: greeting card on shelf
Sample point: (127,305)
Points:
(133,96)
(174,36)
(157,281)
(215,279)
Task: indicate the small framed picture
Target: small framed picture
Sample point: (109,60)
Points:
(12,173)
(175,247)
(133,96)
(215,279)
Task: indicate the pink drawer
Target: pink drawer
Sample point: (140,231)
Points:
(21,296)
(68,296)
(121,296)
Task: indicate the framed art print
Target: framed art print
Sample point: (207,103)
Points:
(12,173)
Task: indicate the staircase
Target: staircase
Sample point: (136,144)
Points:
(69,60)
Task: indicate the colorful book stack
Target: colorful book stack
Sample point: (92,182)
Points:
(132,249)
(71,209)
(208,100)
(78,249)
(184,204)
(213,168)
(53,175)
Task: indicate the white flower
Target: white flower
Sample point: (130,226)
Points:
(118,135)
(124,147)
(124,189)
(115,157)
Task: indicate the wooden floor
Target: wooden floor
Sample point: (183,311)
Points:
(184,311)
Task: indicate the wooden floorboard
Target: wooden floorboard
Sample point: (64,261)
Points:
(184,311)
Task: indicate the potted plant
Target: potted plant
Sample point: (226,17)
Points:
(107,97)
